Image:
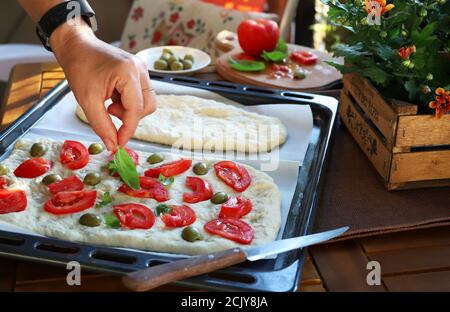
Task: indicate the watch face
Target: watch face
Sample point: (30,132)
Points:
(43,37)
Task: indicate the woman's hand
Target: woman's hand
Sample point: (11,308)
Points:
(97,71)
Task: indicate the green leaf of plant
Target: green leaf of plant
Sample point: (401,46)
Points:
(165,181)
(125,167)
(246,65)
(274,56)
(106,200)
(282,46)
(162,209)
(111,220)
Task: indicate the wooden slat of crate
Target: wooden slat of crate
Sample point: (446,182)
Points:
(366,136)
(374,105)
(423,130)
(420,166)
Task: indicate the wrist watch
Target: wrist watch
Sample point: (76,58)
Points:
(62,13)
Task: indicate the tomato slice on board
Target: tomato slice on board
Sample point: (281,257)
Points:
(170,169)
(130,152)
(33,168)
(12,201)
(150,188)
(69,184)
(304,57)
(70,202)
(231,228)
(236,207)
(201,190)
(233,175)
(134,216)
(179,216)
(74,155)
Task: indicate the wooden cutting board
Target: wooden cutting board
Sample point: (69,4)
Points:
(318,77)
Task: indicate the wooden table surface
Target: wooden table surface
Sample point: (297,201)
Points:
(410,261)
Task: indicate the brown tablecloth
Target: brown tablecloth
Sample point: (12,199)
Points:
(354,195)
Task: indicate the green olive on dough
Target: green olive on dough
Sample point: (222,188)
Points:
(51,178)
(219,198)
(95,148)
(155,158)
(162,209)
(200,168)
(90,219)
(92,178)
(38,150)
(299,74)
(191,234)
(3,169)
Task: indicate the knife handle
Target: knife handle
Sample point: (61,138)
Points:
(158,275)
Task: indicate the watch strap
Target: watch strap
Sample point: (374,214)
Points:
(59,15)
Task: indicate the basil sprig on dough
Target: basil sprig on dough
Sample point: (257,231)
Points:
(166,181)
(111,220)
(106,200)
(246,65)
(125,167)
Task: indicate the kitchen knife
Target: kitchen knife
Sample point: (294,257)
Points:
(153,277)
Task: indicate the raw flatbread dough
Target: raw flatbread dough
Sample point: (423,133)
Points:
(264,218)
(204,124)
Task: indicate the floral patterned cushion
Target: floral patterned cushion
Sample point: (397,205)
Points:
(180,22)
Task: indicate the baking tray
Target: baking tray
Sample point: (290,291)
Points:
(279,274)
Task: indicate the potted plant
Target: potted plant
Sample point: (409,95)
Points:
(396,78)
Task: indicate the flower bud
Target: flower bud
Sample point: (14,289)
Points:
(406,63)
(383,34)
(430,77)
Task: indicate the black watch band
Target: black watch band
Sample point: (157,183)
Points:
(61,14)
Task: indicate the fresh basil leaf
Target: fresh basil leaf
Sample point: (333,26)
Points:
(111,167)
(125,167)
(106,200)
(282,46)
(111,220)
(162,209)
(246,65)
(165,181)
(274,56)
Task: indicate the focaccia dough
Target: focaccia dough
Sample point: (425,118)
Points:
(264,218)
(204,124)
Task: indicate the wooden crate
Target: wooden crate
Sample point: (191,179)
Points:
(408,150)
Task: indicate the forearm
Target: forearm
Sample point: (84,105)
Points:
(37,8)
(62,37)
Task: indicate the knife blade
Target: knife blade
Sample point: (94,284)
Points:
(158,275)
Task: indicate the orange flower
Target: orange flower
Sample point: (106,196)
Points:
(442,103)
(384,8)
(405,52)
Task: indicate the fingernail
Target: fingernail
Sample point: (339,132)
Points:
(110,146)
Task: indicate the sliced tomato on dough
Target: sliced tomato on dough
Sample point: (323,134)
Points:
(69,184)
(170,169)
(3,182)
(234,175)
(74,155)
(232,229)
(70,202)
(201,190)
(134,216)
(179,216)
(235,207)
(149,188)
(33,168)
(12,201)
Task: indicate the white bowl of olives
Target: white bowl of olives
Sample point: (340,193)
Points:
(174,59)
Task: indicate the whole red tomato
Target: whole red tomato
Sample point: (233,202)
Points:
(256,36)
